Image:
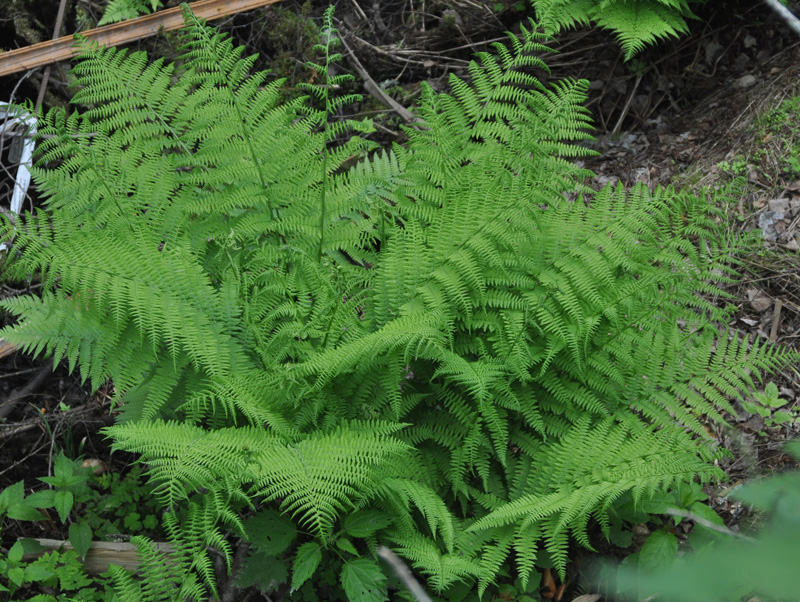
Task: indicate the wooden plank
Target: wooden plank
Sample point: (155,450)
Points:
(100,554)
(45,53)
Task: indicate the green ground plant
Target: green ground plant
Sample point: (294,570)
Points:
(776,149)
(84,508)
(781,137)
(453,347)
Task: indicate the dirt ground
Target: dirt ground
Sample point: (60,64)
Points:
(687,113)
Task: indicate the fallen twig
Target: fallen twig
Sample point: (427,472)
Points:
(16,396)
(404,574)
(785,14)
(376,91)
(776,318)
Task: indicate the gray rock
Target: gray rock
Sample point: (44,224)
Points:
(759,300)
(779,205)
(746,81)
(713,50)
(766,221)
(741,62)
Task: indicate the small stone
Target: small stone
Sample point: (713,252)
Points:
(607,180)
(741,62)
(779,205)
(750,41)
(746,81)
(759,300)
(766,222)
(754,424)
(713,50)
(792,245)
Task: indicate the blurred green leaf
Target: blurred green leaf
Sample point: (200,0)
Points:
(658,551)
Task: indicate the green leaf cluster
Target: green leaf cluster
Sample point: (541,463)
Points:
(452,347)
(60,568)
(85,513)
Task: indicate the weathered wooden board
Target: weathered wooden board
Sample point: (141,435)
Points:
(100,555)
(45,53)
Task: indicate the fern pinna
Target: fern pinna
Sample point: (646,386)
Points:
(451,347)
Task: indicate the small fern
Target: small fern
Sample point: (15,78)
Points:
(430,334)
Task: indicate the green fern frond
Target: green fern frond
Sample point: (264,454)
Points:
(635,23)
(593,464)
(122,10)
(404,492)
(441,570)
(321,476)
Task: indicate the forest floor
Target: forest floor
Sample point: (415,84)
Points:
(693,112)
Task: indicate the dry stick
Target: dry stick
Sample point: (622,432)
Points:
(776,318)
(16,396)
(229,590)
(62,7)
(101,554)
(9,431)
(387,54)
(359,11)
(785,14)
(376,91)
(404,574)
(627,106)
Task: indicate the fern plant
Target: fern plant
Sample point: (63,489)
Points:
(635,23)
(451,347)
